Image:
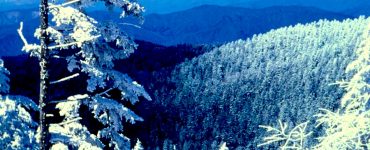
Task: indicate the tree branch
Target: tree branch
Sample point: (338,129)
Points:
(72,43)
(70,121)
(72,98)
(34,46)
(21,34)
(105,92)
(130,24)
(52,6)
(80,97)
(65,79)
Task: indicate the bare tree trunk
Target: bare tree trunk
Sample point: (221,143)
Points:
(44,74)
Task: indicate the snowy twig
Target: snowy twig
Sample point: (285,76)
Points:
(72,43)
(21,34)
(72,98)
(80,97)
(52,6)
(64,45)
(70,121)
(105,92)
(293,139)
(56,56)
(32,46)
(28,47)
(65,78)
(130,24)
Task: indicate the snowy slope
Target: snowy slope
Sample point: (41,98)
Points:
(284,74)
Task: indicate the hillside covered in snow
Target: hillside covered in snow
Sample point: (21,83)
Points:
(287,73)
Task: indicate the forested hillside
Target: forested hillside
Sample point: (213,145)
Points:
(225,94)
(184,74)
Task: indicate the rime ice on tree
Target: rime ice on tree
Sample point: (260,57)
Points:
(90,47)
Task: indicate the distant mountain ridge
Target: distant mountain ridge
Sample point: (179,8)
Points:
(210,24)
(166,6)
(207,24)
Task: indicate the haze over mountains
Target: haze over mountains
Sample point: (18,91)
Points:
(167,6)
(210,24)
(207,24)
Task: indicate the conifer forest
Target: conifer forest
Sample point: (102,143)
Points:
(184,75)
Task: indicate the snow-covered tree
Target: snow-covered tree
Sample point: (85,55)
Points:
(227,93)
(138,145)
(349,126)
(17,128)
(223,146)
(90,49)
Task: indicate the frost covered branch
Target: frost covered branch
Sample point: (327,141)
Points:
(130,24)
(21,34)
(105,92)
(349,126)
(51,6)
(293,139)
(70,121)
(29,48)
(65,78)
(34,48)
(72,30)
(72,98)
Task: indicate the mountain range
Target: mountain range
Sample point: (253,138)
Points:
(202,95)
(207,24)
(169,6)
(210,24)
(166,6)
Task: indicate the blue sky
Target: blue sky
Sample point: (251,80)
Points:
(166,6)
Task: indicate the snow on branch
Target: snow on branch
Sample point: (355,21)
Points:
(128,7)
(29,48)
(21,34)
(117,140)
(51,6)
(65,79)
(17,126)
(76,135)
(293,139)
(58,38)
(77,97)
(109,111)
(70,121)
(131,24)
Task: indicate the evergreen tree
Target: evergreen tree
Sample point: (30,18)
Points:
(89,48)
(17,128)
(348,126)
(225,94)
